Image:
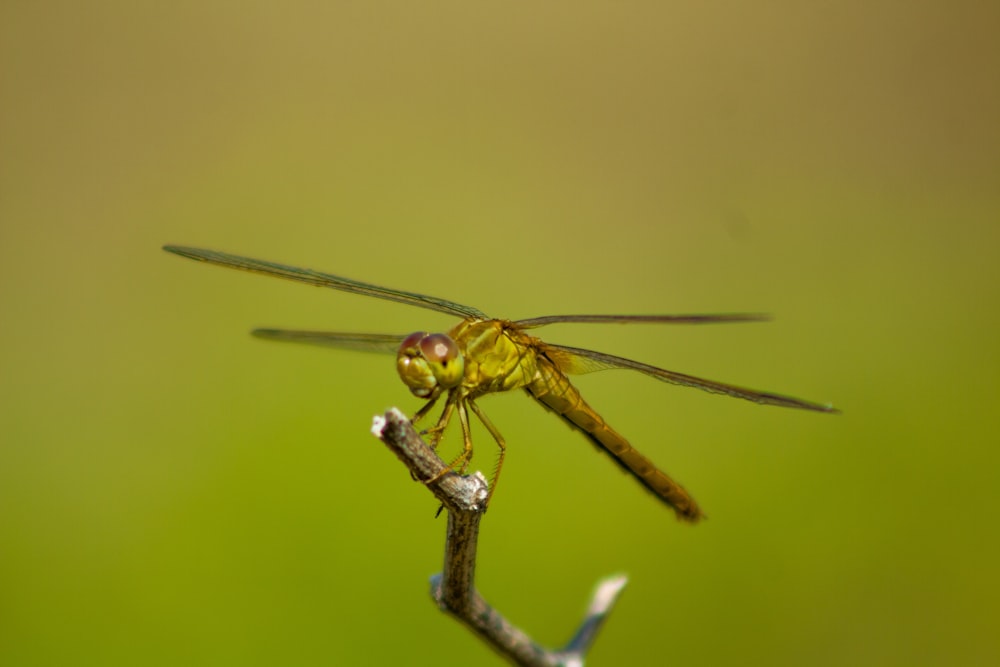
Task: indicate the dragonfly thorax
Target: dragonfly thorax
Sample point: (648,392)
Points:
(429,363)
(498,357)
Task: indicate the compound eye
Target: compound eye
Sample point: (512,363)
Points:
(444,359)
(411,344)
(412,367)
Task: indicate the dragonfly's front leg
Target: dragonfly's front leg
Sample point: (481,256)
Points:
(422,412)
(435,432)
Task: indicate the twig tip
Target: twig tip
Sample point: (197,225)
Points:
(607,593)
(378,425)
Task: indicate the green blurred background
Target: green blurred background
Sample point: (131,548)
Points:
(173,491)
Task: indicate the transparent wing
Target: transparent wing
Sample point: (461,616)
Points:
(574,360)
(359,342)
(720,318)
(319,279)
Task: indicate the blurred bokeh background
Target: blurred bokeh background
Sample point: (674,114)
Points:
(173,491)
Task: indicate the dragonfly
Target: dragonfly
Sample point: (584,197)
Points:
(481,355)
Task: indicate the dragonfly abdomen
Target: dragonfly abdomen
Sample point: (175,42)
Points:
(553,390)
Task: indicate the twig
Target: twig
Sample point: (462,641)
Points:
(454,589)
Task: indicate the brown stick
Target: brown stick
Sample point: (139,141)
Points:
(454,589)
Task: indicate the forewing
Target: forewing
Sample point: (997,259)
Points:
(320,279)
(359,342)
(574,360)
(715,318)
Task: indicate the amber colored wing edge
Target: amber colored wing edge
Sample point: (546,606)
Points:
(574,361)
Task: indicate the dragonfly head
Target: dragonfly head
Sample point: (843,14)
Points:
(429,363)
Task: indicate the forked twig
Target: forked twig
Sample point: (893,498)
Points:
(454,589)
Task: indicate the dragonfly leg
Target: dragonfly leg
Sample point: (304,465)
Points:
(463,459)
(460,463)
(500,443)
(422,412)
(435,432)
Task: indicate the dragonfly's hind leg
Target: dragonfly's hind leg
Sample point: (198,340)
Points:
(500,443)
(466,456)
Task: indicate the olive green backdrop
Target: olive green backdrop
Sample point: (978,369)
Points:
(174,492)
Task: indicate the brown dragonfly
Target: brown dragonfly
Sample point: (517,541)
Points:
(481,355)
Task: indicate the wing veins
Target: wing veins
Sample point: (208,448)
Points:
(358,342)
(320,279)
(577,360)
(715,318)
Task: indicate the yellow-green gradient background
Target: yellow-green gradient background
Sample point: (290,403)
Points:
(174,492)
